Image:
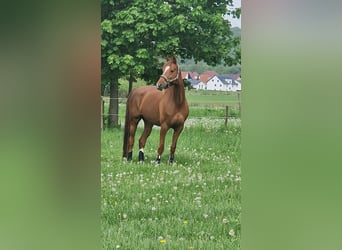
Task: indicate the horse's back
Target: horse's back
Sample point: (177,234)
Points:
(149,93)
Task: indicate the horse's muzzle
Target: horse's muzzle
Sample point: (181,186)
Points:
(162,86)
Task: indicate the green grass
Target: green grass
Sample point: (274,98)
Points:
(193,204)
(211,98)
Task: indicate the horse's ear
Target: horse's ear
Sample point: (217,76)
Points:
(174,60)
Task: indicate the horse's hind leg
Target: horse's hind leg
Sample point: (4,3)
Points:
(175,136)
(132,129)
(142,140)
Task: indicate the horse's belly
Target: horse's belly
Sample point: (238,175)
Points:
(151,117)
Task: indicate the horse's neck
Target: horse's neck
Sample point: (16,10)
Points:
(178,93)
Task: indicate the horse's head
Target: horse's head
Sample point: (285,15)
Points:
(171,73)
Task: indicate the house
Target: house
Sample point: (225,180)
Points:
(190,75)
(233,82)
(194,75)
(204,77)
(236,85)
(210,72)
(225,82)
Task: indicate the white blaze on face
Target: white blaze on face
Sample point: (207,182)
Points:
(166,69)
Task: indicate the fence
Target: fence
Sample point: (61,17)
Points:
(228,112)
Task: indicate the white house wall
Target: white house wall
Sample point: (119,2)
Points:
(216,84)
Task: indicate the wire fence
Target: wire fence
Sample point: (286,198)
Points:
(224,113)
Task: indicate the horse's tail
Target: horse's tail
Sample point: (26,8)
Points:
(126,132)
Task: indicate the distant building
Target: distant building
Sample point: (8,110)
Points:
(210,80)
(190,75)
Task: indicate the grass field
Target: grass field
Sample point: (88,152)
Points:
(211,98)
(193,204)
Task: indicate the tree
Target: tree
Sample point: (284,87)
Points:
(137,33)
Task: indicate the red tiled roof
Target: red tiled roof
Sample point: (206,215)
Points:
(210,72)
(204,77)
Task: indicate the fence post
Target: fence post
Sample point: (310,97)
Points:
(102,110)
(226,118)
(239,104)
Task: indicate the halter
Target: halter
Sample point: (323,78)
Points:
(167,80)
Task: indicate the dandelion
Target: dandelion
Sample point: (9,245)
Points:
(154,208)
(163,241)
(231,232)
(117,246)
(185,222)
(225,220)
(212,237)
(205,216)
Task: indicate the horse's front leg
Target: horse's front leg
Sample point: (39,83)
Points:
(176,133)
(142,140)
(163,131)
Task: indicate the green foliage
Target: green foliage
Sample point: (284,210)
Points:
(136,33)
(123,88)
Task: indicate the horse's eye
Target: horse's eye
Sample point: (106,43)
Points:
(172,71)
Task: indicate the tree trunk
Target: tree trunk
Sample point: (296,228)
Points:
(113,112)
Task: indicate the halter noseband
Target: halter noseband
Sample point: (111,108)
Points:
(167,80)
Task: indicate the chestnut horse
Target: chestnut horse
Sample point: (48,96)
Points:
(167,108)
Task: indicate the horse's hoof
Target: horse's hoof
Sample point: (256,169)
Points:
(141,157)
(157,161)
(129,156)
(171,159)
